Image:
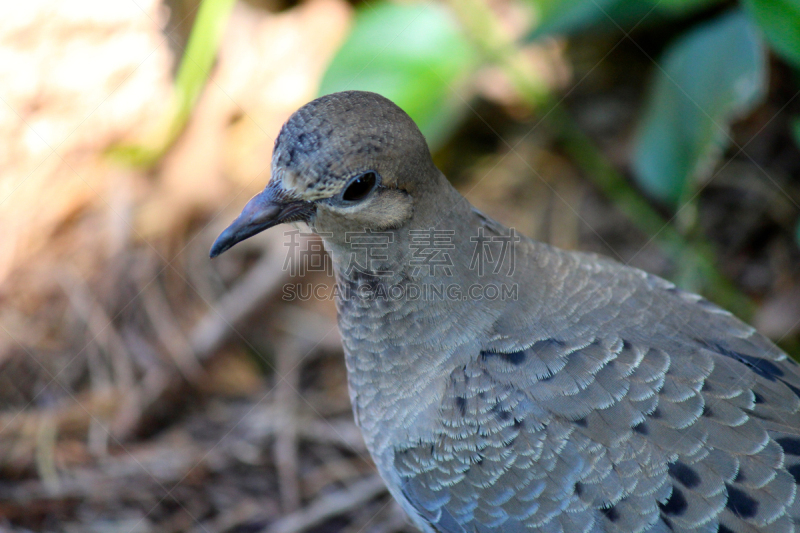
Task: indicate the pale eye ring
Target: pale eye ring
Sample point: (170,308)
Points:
(360,186)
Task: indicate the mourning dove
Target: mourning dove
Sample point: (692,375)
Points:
(505,385)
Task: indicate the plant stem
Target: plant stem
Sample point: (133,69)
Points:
(193,72)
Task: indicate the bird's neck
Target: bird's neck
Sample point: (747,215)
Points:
(433,261)
(407,317)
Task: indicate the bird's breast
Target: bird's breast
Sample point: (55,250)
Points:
(398,355)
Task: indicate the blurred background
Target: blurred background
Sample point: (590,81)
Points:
(145,388)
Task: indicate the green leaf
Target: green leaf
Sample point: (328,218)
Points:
(680,7)
(795,125)
(708,78)
(780,22)
(413,54)
(568,17)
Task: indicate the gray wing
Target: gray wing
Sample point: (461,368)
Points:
(647,409)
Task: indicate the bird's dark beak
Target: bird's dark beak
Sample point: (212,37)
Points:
(268,208)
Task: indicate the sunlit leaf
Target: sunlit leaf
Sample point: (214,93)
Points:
(780,21)
(706,79)
(413,54)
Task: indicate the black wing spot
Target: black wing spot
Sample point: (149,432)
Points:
(676,504)
(500,413)
(724,529)
(763,367)
(757,398)
(641,428)
(578,488)
(795,390)
(794,470)
(626,346)
(461,403)
(610,513)
(581,422)
(740,477)
(790,445)
(518,358)
(655,414)
(514,358)
(740,503)
(685,474)
(707,411)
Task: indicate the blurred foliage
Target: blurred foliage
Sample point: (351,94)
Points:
(423,54)
(713,74)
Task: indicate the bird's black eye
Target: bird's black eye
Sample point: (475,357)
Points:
(360,187)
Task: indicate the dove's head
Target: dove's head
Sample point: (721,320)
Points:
(346,162)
